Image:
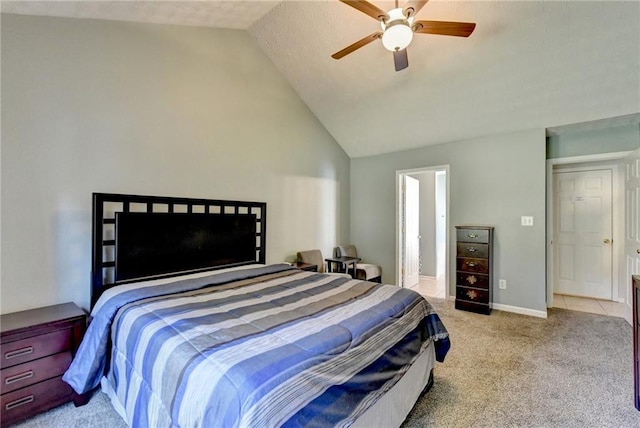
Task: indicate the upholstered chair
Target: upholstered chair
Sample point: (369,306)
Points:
(364,271)
(313,257)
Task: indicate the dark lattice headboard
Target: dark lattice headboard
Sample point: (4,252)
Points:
(230,227)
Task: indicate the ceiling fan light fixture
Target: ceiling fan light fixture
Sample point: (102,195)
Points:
(397,32)
(397,37)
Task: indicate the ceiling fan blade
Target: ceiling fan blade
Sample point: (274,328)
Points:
(400,59)
(357,45)
(444,28)
(413,7)
(367,8)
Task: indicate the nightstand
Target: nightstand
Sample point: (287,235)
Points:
(36,348)
(305,266)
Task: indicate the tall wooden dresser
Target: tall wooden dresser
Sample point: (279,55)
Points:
(36,348)
(474,271)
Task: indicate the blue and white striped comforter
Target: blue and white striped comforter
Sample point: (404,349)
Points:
(268,346)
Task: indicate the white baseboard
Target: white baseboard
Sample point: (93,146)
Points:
(514,309)
(519,310)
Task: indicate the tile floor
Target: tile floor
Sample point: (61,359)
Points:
(594,306)
(432,287)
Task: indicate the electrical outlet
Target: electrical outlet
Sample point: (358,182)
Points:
(502,284)
(526,220)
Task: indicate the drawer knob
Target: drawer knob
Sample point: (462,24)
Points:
(471,264)
(471,249)
(19,402)
(17,378)
(472,235)
(471,279)
(18,352)
(472,294)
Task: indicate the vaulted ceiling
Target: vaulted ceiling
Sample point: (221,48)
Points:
(528,64)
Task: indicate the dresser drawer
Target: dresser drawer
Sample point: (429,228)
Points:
(470,249)
(469,279)
(473,235)
(31,372)
(33,399)
(480,308)
(473,265)
(31,348)
(476,295)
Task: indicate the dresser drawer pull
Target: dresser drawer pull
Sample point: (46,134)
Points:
(471,249)
(18,377)
(19,402)
(18,352)
(470,264)
(472,235)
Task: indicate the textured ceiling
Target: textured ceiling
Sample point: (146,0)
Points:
(529,64)
(235,14)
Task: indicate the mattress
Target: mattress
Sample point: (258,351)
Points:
(262,346)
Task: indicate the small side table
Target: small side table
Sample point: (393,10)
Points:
(37,346)
(305,266)
(343,263)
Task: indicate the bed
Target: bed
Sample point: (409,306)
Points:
(182,339)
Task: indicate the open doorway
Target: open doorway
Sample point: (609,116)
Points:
(422,232)
(585,226)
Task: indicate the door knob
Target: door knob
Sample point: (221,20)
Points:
(606,241)
(638,250)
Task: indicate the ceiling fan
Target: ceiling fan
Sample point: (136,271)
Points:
(398,26)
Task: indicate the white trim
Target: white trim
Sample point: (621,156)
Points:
(520,310)
(618,224)
(399,174)
(513,309)
(589,158)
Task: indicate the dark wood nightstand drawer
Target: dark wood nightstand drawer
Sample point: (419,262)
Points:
(468,249)
(35,347)
(477,280)
(472,235)
(480,308)
(31,372)
(473,265)
(34,399)
(472,294)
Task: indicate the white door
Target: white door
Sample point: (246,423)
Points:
(632,223)
(441,222)
(583,233)
(411,231)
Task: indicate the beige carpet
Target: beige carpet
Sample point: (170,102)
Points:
(573,369)
(504,370)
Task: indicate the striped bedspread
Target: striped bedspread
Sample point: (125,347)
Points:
(259,347)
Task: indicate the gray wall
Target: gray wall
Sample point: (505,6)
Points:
(99,106)
(493,181)
(595,141)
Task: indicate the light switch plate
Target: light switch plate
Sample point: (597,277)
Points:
(526,220)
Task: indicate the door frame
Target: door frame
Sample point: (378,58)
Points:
(399,208)
(617,212)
